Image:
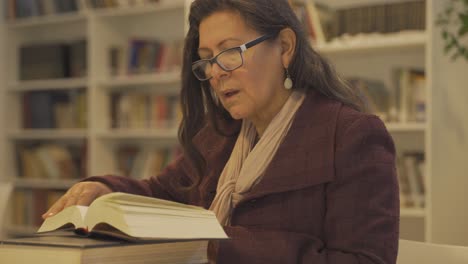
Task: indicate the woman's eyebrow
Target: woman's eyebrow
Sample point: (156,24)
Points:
(220,44)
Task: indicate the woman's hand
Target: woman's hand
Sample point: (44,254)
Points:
(82,193)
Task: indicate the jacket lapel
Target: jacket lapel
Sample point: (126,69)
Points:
(305,158)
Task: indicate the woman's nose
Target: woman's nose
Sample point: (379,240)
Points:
(217,72)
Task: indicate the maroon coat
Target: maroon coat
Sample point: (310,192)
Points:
(330,194)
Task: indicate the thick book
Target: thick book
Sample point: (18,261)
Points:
(47,249)
(137,218)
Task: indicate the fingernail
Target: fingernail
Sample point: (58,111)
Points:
(47,215)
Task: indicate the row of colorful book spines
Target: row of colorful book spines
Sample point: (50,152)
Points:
(384,18)
(46,109)
(51,60)
(27,8)
(145,56)
(28,205)
(411,170)
(51,161)
(402,101)
(145,110)
(134,161)
(117,3)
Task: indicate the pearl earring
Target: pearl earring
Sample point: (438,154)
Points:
(288,83)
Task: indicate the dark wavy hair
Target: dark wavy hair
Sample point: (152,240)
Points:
(308,69)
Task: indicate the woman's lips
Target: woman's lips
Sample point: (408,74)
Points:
(230,93)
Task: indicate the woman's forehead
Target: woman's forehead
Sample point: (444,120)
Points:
(222,25)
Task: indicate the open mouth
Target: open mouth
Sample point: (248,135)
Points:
(230,93)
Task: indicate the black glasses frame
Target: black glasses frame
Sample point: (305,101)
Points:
(241,49)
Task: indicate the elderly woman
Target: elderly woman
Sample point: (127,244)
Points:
(275,143)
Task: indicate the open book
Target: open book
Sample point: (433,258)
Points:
(135,217)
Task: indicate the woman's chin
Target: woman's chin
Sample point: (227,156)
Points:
(237,115)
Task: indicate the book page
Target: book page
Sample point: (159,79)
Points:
(142,201)
(170,227)
(150,218)
(70,216)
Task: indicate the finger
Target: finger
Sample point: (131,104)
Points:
(72,199)
(86,197)
(55,208)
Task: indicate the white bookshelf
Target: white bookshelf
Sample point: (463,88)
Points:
(156,79)
(51,84)
(162,7)
(50,20)
(166,134)
(101,28)
(413,212)
(406,127)
(43,183)
(3,67)
(47,134)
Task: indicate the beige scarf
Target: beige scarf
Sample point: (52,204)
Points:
(246,166)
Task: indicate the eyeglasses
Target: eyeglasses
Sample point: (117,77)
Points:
(228,60)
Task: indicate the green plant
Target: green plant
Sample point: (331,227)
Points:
(453,21)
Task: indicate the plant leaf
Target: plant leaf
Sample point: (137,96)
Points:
(445,34)
(464,23)
(448,47)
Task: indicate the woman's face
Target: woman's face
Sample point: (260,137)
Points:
(255,90)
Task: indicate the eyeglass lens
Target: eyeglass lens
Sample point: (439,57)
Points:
(228,60)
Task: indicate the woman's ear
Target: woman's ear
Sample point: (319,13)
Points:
(287,38)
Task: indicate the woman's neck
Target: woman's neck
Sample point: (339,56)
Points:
(262,120)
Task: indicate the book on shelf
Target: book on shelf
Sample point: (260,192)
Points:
(375,94)
(120,3)
(381,17)
(51,161)
(143,162)
(324,23)
(313,19)
(54,109)
(32,8)
(409,95)
(403,101)
(145,55)
(28,205)
(6,188)
(316,20)
(42,61)
(53,60)
(72,249)
(137,218)
(411,176)
(135,109)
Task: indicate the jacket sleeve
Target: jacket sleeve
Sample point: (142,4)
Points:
(159,186)
(362,215)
